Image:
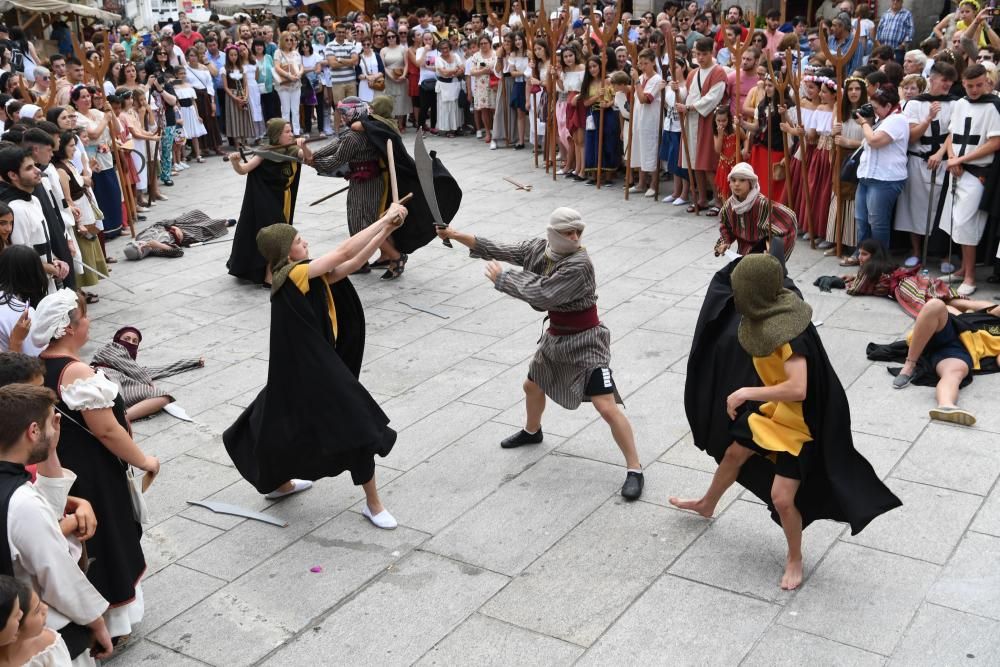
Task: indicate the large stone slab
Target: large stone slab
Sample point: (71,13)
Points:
(744,551)
(988,519)
(928,525)
(932,459)
(485,641)
(175,589)
(942,636)
(784,647)
(185,478)
(971,581)
(430,435)
(172,539)
(581,585)
(880,411)
(679,622)
(829,604)
(398,617)
(515,525)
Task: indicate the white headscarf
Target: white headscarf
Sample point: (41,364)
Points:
(52,316)
(563,219)
(744,171)
(30,111)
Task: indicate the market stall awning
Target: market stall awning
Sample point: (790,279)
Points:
(57,7)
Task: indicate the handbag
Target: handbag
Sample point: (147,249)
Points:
(849,170)
(591,125)
(379,83)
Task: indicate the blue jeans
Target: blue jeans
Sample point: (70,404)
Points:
(874,203)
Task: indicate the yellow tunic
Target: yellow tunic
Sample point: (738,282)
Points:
(980,345)
(299,275)
(780,426)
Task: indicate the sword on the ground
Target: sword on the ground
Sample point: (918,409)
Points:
(106,277)
(425,174)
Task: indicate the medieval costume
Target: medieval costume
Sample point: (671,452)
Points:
(848,228)
(917,198)
(647,119)
(705,90)
(750,324)
(313,419)
(135,383)
(269,198)
(571,363)
(973,122)
(181,232)
(767,149)
(800,117)
(602,137)
(819,180)
(751,223)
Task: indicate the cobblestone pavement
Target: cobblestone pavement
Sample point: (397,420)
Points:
(530,556)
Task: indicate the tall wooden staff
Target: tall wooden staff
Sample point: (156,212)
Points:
(672,54)
(607,33)
(838,65)
(529,37)
(803,175)
(556,28)
(737,49)
(781,85)
(633,53)
(659,123)
(502,97)
(97,74)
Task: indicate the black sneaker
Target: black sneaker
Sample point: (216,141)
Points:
(522,437)
(632,488)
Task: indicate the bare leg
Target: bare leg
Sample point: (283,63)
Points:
(783,492)
(197,149)
(916,244)
(150,406)
(736,455)
(932,318)
(951,372)
(969,264)
(534,406)
(578,147)
(621,428)
(372,497)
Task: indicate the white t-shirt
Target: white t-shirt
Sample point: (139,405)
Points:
(887,163)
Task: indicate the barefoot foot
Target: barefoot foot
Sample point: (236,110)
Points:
(699,506)
(793,575)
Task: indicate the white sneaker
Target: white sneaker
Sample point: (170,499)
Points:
(480,134)
(680,201)
(668,199)
(298,486)
(965,289)
(382,520)
(493,145)
(634,189)
(650,193)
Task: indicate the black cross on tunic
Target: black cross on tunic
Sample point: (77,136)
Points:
(935,140)
(967,138)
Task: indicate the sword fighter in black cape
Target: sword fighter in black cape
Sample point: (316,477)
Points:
(314,419)
(763,399)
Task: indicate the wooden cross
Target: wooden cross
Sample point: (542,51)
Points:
(607,34)
(803,172)
(737,49)
(633,53)
(838,65)
(672,56)
(556,29)
(781,84)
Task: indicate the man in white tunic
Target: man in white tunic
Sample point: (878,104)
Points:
(929,116)
(968,154)
(706,87)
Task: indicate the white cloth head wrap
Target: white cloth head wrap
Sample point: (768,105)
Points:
(563,219)
(52,316)
(30,111)
(743,171)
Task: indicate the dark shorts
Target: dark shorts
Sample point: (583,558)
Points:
(518,97)
(946,344)
(785,464)
(599,383)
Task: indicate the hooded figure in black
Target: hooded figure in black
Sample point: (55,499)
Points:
(269,198)
(314,419)
(764,401)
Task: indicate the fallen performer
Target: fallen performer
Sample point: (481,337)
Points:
(166,238)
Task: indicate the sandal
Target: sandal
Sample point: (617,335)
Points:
(695,208)
(713,211)
(395,268)
(850,261)
(110,260)
(380,263)
(90,297)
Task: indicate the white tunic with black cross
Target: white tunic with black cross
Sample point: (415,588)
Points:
(562,364)
(972,124)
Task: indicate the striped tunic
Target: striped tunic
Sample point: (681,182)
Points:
(765,219)
(197,228)
(562,364)
(135,382)
(365,199)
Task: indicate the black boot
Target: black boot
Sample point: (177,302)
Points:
(522,437)
(632,488)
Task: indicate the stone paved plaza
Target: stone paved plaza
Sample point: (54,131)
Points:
(530,556)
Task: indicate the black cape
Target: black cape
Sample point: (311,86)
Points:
(925,374)
(837,482)
(419,228)
(263,205)
(57,233)
(313,419)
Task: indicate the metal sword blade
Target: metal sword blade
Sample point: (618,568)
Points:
(425,175)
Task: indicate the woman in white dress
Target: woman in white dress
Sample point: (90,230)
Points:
(396,82)
(372,78)
(324,85)
(253,90)
(427,55)
(449,69)
(568,83)
(648,121)
(192,128)
(538,81)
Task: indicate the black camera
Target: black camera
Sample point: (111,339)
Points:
(866,111)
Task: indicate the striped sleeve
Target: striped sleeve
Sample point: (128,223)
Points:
(160,372)
(565,284)
(512,253)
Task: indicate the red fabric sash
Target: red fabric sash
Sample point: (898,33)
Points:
(364,171)
(564,324)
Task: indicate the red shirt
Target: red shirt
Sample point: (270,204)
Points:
(720,37)
(187,41)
